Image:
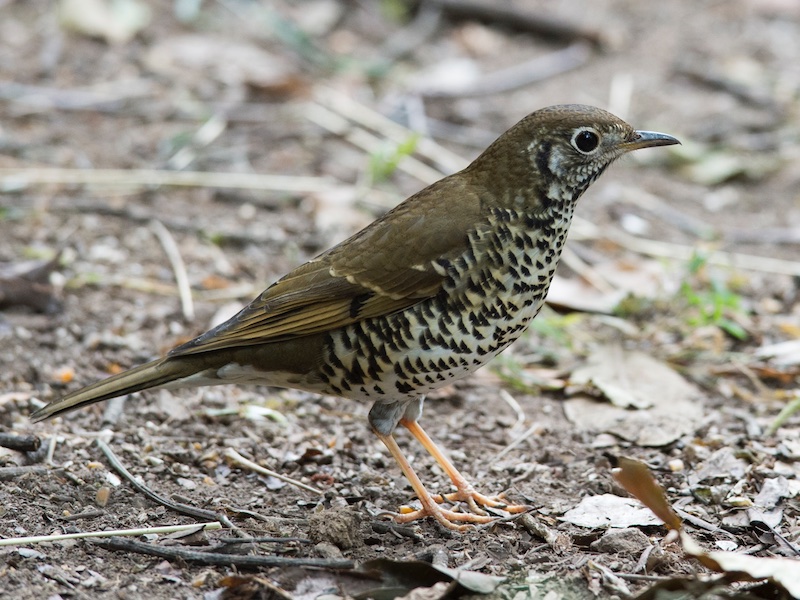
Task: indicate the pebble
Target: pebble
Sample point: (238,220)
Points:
(621,541)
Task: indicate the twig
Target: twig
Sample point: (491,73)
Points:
(700,523)
(264,540)
(446,160)
(38,98)
(89,514)
(570,258)
(15,178)
(515,76)
(178,507)
(524,20)
(51,449)
(506,397)
(178,267)
(21,443)
(240,460)
(35,539)
(763,235)
(524,436)
(711,78)
(114,409)
(665,212)
(582,229)
(218,559)
(7,473)
(327,119)
(138,215)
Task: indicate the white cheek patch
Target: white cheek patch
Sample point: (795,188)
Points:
(554,161)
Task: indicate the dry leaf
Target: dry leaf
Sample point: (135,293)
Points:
(668,405)
(608,510)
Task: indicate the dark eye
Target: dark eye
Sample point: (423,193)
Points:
(585,140)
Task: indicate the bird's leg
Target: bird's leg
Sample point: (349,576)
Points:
(464,490)
(429,506)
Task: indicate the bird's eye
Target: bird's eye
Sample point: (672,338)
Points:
(585,141)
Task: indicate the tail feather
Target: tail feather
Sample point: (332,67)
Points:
(150,375)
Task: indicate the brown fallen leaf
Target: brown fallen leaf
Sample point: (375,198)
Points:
(635,477)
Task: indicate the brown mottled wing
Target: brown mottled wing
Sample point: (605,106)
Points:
(384,268)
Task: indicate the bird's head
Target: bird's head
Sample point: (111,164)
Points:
(559,151)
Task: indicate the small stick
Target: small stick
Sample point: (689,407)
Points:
(763,235)
(577,264)
(506,397)
(178,267)
(36,539)
(240,460)
(520,20)
(516,76)
(21,443)
(706,75)
(367,117)
(219,559)
(516,442)
(264,540)
(51,449)
(327,119)
(89,514)
(583,229)
(178,507)
(114,409)
(7,473)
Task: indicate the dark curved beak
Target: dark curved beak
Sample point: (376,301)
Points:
(648,139)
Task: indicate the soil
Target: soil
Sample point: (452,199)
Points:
(721,76)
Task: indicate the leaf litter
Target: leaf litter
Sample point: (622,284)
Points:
(602,381)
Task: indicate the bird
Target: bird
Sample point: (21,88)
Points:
(425,295)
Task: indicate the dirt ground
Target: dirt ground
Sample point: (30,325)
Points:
(286,88)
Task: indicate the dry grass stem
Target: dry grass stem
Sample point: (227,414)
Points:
(241,461)
(36,539)
(178,267)
(16,178)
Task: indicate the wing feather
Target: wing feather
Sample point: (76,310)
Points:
(368,275)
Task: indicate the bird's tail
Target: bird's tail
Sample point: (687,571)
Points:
(150,375)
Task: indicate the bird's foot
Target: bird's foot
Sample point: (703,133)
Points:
(449,519)
(477,501)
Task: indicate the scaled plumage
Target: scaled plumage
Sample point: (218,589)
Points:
(424,295)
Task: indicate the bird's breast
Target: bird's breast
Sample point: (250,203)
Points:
(491,293)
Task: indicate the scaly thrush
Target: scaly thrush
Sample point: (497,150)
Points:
(421,297)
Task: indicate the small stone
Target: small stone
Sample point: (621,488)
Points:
(102,495)
(338,526)
(676,465)
(328,550)
(621,541)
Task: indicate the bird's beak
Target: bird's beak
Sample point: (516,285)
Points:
(648,139)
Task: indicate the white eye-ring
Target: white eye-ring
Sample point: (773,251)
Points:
(585,140)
